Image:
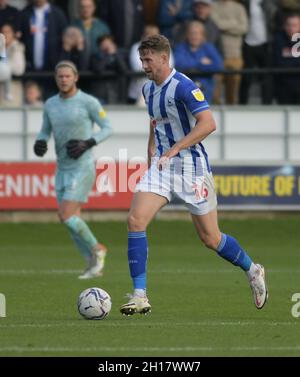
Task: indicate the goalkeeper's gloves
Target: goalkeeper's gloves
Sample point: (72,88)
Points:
(40,147)
(75,148)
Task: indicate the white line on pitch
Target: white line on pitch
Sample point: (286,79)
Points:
(154,271)
(145,349)
(126,323)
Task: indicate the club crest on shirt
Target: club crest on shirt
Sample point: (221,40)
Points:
(198,95)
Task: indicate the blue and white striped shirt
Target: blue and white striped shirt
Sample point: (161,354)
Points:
(172,107)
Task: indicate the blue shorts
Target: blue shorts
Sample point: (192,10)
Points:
(75,185)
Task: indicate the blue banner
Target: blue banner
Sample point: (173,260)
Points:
(276,186)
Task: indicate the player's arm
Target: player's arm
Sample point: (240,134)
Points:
(99,116)
(151,145)
(40,146)
(192,97)
(205,125)
(76,148)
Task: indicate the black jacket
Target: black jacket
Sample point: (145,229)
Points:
(283,58)
(56,24)
(79,57)
(116,63)
(114,12)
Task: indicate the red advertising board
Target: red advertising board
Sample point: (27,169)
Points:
(30,186)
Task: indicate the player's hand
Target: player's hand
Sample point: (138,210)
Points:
(76,148)
(164,161)
(40,147)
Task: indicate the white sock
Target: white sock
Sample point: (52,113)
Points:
(140,292)
(101,251)
(251,270)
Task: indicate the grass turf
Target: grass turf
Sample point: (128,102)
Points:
(201,305)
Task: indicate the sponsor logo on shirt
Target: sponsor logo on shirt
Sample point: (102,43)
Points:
(156,121)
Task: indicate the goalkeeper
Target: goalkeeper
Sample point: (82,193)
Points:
(70,116)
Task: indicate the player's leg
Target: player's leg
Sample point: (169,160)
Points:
(81,232)
(72,189)
(90,248)
(228,248)
(60,187)
(82,246)
(144,207)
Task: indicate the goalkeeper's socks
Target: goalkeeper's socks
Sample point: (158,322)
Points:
(230,250)
(137,258)
(82,246)
(80,228)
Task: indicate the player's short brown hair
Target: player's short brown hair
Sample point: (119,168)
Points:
(156,43)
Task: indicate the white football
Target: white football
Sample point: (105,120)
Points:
(94,303)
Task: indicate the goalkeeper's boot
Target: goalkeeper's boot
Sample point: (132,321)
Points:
(258,285)
(96,264)
(136,304)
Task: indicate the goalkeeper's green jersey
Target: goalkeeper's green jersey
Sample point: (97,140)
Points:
(73,118)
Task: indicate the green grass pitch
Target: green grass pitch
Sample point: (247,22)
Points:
(201,305)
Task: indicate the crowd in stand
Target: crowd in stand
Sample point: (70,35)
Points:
(102,36)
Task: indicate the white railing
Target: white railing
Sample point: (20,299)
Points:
(245,134)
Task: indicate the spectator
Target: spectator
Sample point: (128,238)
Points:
(5,83)
(290,5)
(202,12)
(10,15)
(257,47)
(126,20)
(286,8)
(172,14)
(32,94)
(71,8)
(42,26)
(198,55)
(65,6)
(15,53)
(91,27)
(19,4)
(109,58)
(151,11)
(287,86)
(73,48)
(231,19)
(2,48)
(136,84)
